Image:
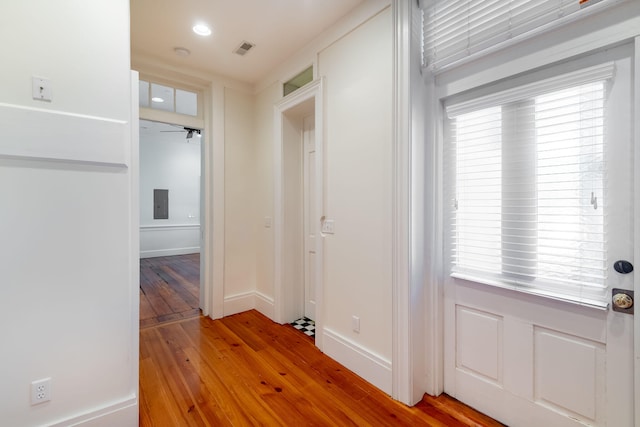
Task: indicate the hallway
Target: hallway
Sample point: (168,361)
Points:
(247,370)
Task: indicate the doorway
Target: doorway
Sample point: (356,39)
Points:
(170,222)
(298,207)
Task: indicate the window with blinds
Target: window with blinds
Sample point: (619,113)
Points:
(525,174)
(457,29)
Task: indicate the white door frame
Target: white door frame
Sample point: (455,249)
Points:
(212,184)
(636,222)
(282,308)
(406,311)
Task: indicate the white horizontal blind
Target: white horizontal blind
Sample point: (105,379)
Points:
(526,180)
(456,29)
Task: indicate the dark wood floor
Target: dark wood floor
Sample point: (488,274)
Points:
(246,370)
(169,289)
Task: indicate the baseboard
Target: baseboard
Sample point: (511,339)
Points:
(363,362)
(121,414)
(169,252)
(265,305)
(238,303)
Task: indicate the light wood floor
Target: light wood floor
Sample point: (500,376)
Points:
(169,289)
(245,370)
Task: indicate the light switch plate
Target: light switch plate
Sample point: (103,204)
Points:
(355,323)
(328,226)
(41,89)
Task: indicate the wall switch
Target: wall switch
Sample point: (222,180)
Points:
(355,324)
(328,226)
(41,89)
(41,391)
(267,222)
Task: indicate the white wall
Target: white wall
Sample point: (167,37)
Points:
(264,198)
(355,58)
(169,161)
(241,216)
(68,301)
(357,270)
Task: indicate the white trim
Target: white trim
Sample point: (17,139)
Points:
(538,292)
(365,363)
(128,409)
(169,252)
(435,280)
(402,376)
(214,228)
(170,227)
(170,117)
(264,304)
(123,413)
(211,89)
(239,303)
(314,91)
(86,139)
(147,230)
(587,75)
(636,221)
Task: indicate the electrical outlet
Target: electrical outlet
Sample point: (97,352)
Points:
(41,391)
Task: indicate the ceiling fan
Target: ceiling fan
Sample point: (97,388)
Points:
(190,131)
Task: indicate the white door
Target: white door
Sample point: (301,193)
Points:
(310,220)
(531,360)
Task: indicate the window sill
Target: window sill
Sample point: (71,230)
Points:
(575,300)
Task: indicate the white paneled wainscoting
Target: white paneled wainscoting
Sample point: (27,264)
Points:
(168,240)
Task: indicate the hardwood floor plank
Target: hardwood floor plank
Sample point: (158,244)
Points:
(146,310)
(224,380)
(169,289)
(245,370)
(455,408)
(183,283)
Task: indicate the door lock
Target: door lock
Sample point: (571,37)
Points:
(622,301)
(623,267)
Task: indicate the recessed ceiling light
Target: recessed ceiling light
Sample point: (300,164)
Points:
(182,51)
(202,30)
(157,99)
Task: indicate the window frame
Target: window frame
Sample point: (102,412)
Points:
(603,71)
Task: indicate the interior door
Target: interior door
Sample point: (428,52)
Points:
(310,222)
(528,360)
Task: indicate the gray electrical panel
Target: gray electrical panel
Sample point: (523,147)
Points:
(160,204)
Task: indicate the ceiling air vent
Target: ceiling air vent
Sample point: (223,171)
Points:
(244,47)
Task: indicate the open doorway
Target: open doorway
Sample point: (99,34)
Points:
(170,213)
(300,193)
(298,206)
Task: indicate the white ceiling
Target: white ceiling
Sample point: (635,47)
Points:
(278,28)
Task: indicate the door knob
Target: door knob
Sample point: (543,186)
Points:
(622,301)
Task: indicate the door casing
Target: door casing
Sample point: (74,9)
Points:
(286,308)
